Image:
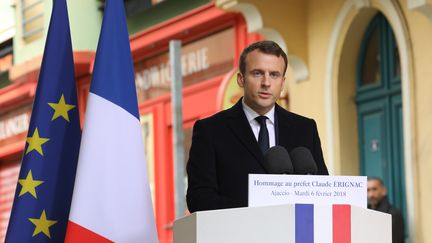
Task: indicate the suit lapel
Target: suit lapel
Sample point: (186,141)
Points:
(239,125)
(283,128)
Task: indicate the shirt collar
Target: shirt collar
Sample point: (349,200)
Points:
(251,114)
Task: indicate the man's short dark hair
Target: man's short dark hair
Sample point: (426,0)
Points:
(267,47)
(375,178)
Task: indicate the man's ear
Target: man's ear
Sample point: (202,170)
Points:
(283,85)
(385,191)
(240,79)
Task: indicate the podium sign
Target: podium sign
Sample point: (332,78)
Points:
(266,189)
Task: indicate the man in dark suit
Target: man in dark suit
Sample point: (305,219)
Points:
(377,200)
(229,145)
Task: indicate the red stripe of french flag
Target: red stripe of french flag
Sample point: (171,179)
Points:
(341,224)
(76,233)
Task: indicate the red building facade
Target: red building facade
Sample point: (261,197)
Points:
(212,41)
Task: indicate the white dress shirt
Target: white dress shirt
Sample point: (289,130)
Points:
(251,115)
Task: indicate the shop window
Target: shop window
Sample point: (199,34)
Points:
(135,6)
(5,62)
(147,129)
(371,65)
(32,13)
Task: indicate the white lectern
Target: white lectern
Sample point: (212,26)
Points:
(293,223)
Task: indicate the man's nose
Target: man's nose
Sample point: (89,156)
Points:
(266,80)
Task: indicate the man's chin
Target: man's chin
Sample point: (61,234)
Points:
(373,203)
(266,103)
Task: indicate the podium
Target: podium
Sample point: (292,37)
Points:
(292,223)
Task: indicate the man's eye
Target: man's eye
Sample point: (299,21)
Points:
(275,75)
(257,73)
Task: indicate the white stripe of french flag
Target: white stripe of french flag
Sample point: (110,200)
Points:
(111,197)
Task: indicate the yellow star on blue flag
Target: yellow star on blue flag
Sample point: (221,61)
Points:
(42,225)
(61,109)
(29,185)
(40,211)
(35,142)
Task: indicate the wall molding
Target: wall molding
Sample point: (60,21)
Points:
(422,6)
(254,23)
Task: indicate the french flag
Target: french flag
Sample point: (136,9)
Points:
(111,200)
(336,224)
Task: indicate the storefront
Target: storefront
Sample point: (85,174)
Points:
(211,44)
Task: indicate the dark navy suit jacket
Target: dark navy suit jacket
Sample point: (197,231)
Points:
(224,151)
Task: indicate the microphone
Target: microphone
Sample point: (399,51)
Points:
(278,161)
(303,161)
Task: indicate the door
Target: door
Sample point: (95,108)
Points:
(379,110)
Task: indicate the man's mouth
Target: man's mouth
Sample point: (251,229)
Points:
(264,95)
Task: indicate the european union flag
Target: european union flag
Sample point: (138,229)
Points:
(45,185)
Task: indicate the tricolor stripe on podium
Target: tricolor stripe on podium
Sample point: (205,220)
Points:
(312,223)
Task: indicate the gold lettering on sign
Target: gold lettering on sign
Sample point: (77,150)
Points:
(14,125)
(201,60)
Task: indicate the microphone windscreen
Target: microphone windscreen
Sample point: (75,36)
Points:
(303,161)
(277,161)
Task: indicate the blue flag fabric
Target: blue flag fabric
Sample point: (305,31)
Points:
(113,76)
(45,185)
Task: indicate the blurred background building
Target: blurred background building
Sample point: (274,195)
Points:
(360,68)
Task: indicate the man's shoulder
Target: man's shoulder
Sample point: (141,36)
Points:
(291,116)
(394,210)
(217,118)
(386,207)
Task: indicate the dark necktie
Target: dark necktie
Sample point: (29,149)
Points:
(263,136)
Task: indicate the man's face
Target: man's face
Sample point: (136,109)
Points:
(375,192)
(262,81)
